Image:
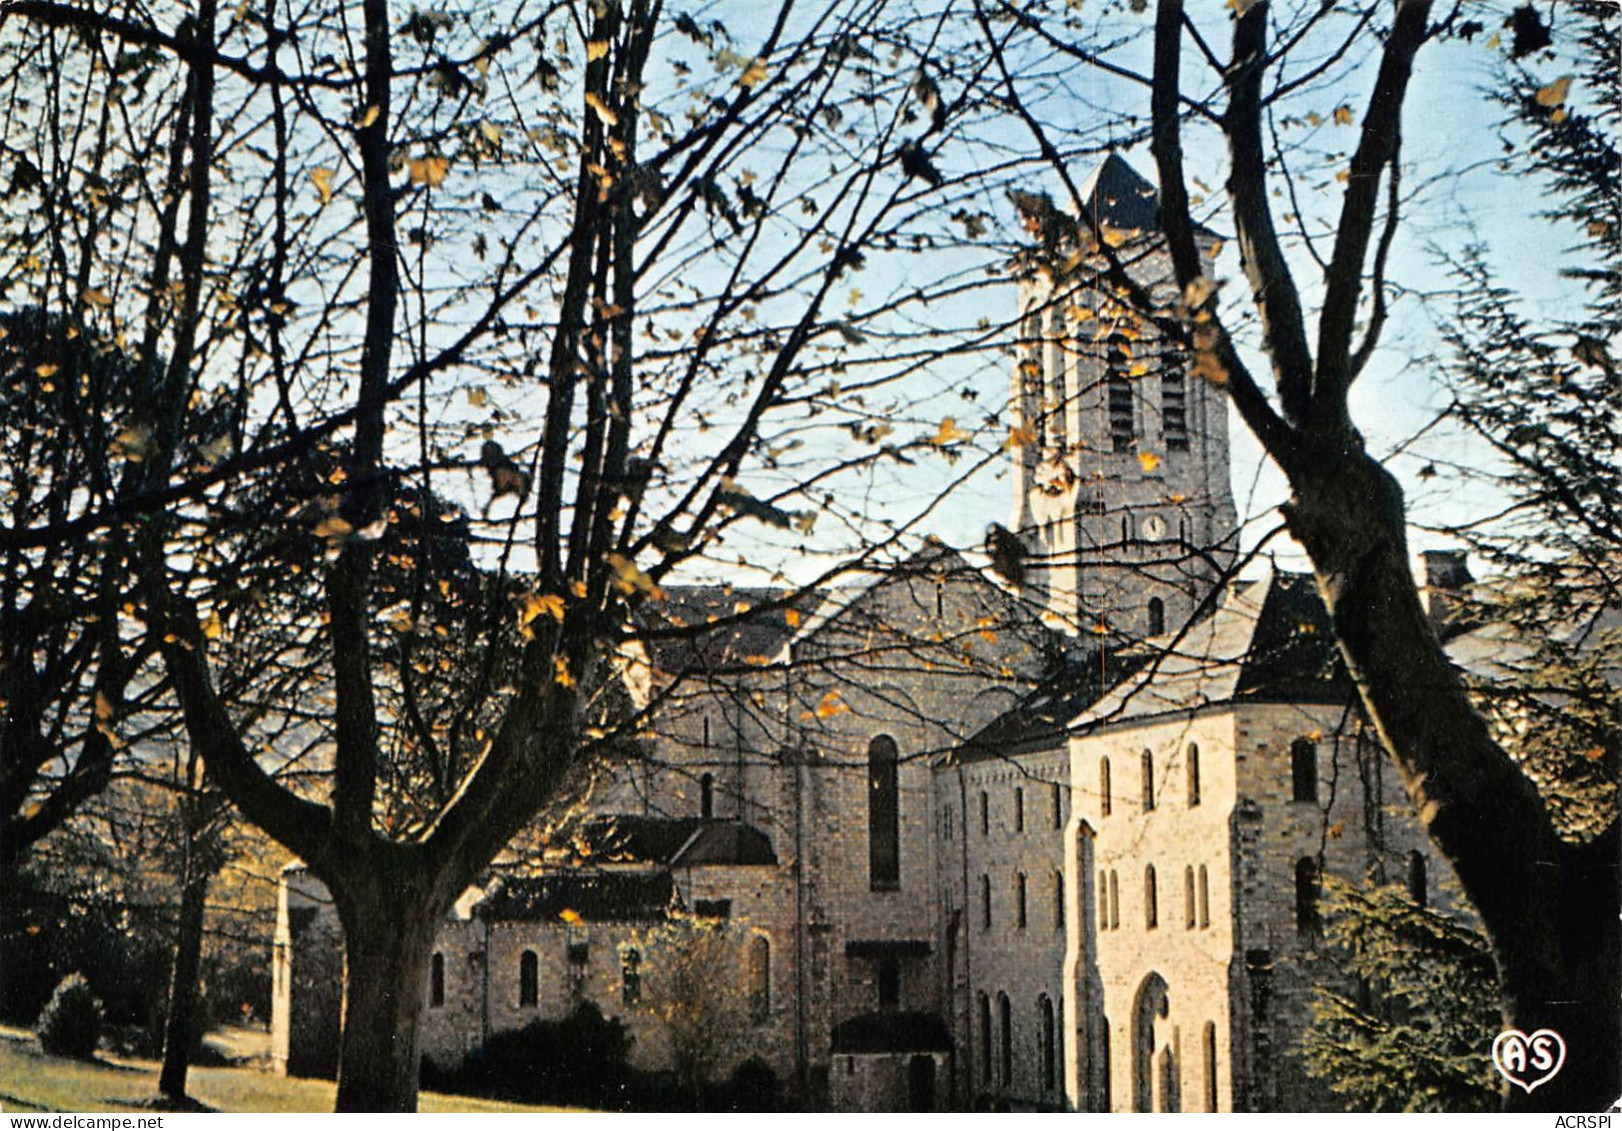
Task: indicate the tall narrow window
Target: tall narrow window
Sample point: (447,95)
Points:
(706,796)
(1304,769)
(1306,897)
(1019,809)
(1205,899)
(760,978)
(1050,1067)
(985,813)
(1173,402)
(1189,918)
(1117,361)
(1114,900)
(1104,799)
(1005,1017)
(883,815)
(529,980)
(630,975)
(1193,757)
(1019,900)
(1208,1046)
(1151,899)
(1058,900)
(1058,806)
(889,983)
(436,980)
(985,903)
(1148,762)
(1103,900)
(1416,878)
(985,1039)
(1157,616)
(1055,378)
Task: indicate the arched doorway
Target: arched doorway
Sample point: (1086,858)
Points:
(1150,1003)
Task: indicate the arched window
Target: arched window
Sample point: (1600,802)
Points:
(1005,1017)
(883,815)
(985,1039)
(1193,767)
(1058,900)
(1157,616)
(630,975)
(1188,898)
(985,813)
(706,795)
(1114,900)
(1148,760)
(1416,878)
(436,980)
(1019,900)
(1304,769)
(1104,799)
(1205,899)
(1058,806)
(1208,1048)
(1306,896)
(985,903)
(1151,899)
(1048,1029)
(529,980)
(760,978)
(1019,809)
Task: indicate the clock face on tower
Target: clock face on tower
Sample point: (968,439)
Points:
(1154,526)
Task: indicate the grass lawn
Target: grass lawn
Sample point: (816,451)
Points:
(32,1081)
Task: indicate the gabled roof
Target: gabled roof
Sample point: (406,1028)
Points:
(596,897)
(1116,196)
(679,642)
(1269,640)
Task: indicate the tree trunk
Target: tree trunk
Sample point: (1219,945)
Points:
(1551,908)
(388,938)
(180,1024)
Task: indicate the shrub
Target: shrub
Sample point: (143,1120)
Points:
(70,1023)
(580,1060)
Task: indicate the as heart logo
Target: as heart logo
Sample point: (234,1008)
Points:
(1528,1061)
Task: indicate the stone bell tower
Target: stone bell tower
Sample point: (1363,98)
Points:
(1121,492)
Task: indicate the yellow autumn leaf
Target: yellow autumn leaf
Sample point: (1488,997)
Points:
(1115,237)
(600,108)
(104,708)
(792,617)
(629,579)
(322,179)
(491,132)
(134,443)
(948,433)
(477,396)
(1149,460)
(1137,369)
(368,118)
(97,299)
(560,668)
(829,706)
(1021,435)
(753,74)
(1554,94)
(45,370)
(596,49)
(1344,116)
(569,915)
(429,171)
(333,527)
(578,588)
(212,628)
(532,605)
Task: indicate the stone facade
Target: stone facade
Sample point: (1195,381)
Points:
(903,805)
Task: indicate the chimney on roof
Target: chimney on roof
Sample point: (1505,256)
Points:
(1447,577)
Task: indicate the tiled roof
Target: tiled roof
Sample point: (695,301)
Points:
(677,842)
(600,897)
